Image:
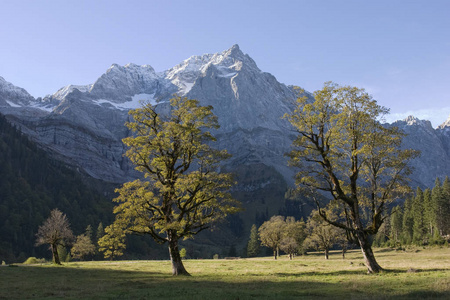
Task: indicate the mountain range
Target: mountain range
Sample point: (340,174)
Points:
(83,125)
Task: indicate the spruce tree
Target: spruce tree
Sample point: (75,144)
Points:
(89,232)
(407,224)
(418,217)
(445,202)
(436,200)
(253,246)
(428,214)
(396,224)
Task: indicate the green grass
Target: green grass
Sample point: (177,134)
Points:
(308,277)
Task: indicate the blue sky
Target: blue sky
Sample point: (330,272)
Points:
(398,50)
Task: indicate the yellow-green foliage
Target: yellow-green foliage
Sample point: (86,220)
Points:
(112,243)
(34,260)
(183,191)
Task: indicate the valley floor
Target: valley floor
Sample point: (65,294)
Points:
(412,274)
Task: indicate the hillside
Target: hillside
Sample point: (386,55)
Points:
(31,185)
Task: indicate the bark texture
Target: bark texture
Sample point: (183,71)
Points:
(177,263)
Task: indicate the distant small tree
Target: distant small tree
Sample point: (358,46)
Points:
(417,211)
(83,247)
(443,208)
(321,235)
(271,234)
(407,222)
(100,232)
(56,232)
(183,253)
(63,254)
(293,236)
(89,232)
(429,214)
(112,244)
(253,245)
(396,224)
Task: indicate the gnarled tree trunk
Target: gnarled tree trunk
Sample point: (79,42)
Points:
(177,263)
(55,254)
(366,248)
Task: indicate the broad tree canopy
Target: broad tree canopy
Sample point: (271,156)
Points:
(183,192)
(344,151)
(56,232)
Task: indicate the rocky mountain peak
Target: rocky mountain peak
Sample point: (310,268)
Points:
(225,64)
(13,96)
(64,91)
(413,121)
(120,82)
(83,124)
(445,125)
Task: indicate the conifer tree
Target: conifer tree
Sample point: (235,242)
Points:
(100,232)
(408,222)
(445,203)
(417,212)
(89,232)
(429,218)
(437,201)
(396,224)
(253,246)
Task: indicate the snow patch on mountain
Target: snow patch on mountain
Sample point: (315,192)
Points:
(227,63)
(13,96)
(137,101)
(445,125)
(12,104)
(64,91)
(434,115)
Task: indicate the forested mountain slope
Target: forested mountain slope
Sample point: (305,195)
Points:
(31,185)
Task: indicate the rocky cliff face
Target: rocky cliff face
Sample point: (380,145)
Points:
(84,125)
(434,160)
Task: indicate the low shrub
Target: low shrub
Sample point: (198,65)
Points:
(34,260)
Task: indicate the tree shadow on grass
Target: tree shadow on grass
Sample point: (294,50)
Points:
(78,282)
(355,272)
(88,283)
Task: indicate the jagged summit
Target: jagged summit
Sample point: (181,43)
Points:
(13,96)
(226,64)
(411,120)
(445,125)
(84,124)
(64,91)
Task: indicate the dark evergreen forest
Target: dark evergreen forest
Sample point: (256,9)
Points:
(31,185)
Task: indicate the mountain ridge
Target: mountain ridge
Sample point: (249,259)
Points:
(84,124)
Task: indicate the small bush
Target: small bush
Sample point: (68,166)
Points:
(34,260)
(183,253)
(216,256)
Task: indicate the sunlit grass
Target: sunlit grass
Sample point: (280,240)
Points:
(305,277)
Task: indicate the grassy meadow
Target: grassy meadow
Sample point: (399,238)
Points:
(413,274)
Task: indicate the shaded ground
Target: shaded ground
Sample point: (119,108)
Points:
(310,277)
